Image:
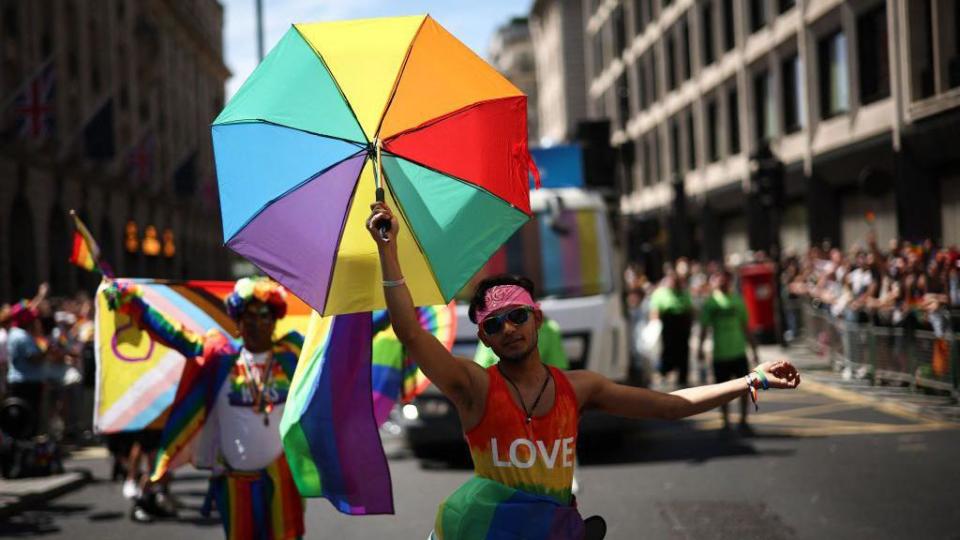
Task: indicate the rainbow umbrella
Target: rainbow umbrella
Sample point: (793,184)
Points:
(338,109)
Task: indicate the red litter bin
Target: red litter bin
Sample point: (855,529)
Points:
(757,287)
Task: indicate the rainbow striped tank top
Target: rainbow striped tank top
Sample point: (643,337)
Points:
(537,457)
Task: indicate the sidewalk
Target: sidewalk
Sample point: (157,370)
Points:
(819,377)
(22,494)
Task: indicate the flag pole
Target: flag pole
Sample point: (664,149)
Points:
(92,245)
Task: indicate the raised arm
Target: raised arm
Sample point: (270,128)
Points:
(456,377)
(595,391)
(127,298)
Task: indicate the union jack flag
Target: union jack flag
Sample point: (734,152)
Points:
(35,108)
(141,159)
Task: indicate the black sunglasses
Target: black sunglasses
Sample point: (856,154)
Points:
(494,324)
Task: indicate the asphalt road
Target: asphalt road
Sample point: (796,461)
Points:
(816,467)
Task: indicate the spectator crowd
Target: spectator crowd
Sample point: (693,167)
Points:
(47,363)
(906,284)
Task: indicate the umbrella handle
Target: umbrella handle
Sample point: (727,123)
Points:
(384,224)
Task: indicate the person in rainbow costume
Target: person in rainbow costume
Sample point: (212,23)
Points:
(520,416)
(228,407)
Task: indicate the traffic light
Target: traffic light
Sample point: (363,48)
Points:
(766,177)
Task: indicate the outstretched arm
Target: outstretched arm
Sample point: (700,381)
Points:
(595,391)
(455,377)
(127,298)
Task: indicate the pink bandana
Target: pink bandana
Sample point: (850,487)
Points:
(501,296)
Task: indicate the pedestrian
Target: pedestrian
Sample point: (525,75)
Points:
(228,406)
(28,353)
(520,416)
(672,305)
(725,315)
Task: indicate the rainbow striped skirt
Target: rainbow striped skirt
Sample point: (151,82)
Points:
(482,509)
(259,504)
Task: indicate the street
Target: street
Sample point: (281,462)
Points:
(816,467)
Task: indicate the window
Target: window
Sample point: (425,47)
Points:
(834,88)
(921,49)
(652,72)
(11,21)
(706,21)
(792,76)
(953,63)
(598,53)
(686,51)
(623,100)
(610,103)
(763,103)
(674,146)
(712,129)
(649,176)
(691,142)
(873,55)
(729,30)
(671,55)
(640,15)
(787,5)
(619,30)
(733,119)
(758,14)
(641,73)
(655,152)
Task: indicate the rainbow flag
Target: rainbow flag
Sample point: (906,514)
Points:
(137,377)
(396,376)
(485,509)
(328,429)
(86,252)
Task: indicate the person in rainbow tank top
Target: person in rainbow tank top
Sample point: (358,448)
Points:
(520,416)
(228,406)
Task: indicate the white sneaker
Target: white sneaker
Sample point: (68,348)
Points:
(130,489)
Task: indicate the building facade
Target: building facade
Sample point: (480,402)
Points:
(556,28)
(106,106)
(856,97)
(511,53)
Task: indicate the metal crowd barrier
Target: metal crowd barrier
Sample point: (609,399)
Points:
(918,358)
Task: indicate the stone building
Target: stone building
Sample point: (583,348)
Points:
(556,27)
(857,97)
(105,109)
(511,53)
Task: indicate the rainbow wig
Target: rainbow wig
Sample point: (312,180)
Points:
(260,289)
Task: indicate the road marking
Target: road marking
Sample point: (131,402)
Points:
(853,397)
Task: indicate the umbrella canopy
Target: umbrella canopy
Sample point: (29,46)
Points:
(337,109)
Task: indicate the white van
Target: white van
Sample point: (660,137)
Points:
(567,251)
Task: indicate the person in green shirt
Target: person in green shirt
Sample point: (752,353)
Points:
(549,343)
(725,313)
(671,304)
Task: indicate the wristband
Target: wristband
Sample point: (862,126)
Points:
(393,283)
(752,390)
(763,379)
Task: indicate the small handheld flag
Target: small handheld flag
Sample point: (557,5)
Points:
(86,252)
